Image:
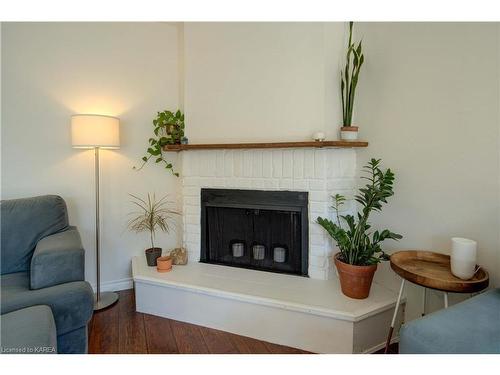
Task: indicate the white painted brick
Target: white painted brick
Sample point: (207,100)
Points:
(315,261)
(257,164)
(191,191)
(318,273)
(300,185)
(192,231)
(346,163)
(193,253)
(287,164)
(317,208)
(189,166)
(191,201)
(340,184)
(319,164)
(267,164)
(317,239)
(277,163)
(238,163)
(309,164)
(317,250)
(315,228)
(286,183)
(247,163)
(219,163)
(228,163)
(207,164)
(215,182)
(241,182)
(271,184)
(298,163)
(192,219)
(258,183)
(191,210)
(331,163)
(191,181)
(318,196)
(317,184)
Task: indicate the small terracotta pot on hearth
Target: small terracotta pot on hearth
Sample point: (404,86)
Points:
(164,264)
(355,281)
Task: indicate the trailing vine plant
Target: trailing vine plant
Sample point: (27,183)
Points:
(349,77)
(168,129)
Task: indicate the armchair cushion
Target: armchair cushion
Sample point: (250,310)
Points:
(29,331)
(71,303)
(58,258)
(25,222)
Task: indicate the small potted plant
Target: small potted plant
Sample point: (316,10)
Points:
(359,248)
(348,82)
(152,215)
(168,129)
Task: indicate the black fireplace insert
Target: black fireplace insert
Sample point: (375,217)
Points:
(264,230)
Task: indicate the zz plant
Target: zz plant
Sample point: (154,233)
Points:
(168,129)
(349,77)
(357,245)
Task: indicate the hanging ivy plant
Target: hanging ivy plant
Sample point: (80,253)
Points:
(168,129)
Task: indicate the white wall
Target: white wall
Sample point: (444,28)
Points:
(261,81)
(428,104)
(53,70)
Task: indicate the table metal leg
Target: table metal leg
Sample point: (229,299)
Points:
(445,300)
(393,322)
(424,295)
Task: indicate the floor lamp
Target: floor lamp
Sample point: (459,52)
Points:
(96,132)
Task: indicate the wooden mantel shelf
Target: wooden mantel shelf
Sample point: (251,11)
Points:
(308,144)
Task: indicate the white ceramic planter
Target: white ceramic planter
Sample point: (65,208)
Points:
(349,133)
(463,257)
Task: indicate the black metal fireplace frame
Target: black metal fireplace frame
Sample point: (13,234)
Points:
(256,199)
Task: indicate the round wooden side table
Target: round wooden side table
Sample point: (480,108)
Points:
(431,270)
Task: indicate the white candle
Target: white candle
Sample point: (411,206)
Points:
(463,257)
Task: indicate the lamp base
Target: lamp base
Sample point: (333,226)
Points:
(106,299)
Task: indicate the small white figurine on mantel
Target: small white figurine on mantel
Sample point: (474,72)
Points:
(319,136)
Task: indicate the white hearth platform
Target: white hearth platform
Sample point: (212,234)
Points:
(309,314)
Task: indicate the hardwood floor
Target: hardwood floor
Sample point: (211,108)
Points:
(121,330)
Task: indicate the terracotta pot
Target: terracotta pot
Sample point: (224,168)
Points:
(355,281)
(349,133)
(152,254)
(164,264)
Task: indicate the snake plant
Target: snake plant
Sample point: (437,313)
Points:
(349,77)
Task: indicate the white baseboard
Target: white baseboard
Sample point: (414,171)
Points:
(115,285)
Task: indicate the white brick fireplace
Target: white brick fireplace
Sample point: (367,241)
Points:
(321,172)
(307,313)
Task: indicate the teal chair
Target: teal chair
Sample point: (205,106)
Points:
(42,263)
(469,327)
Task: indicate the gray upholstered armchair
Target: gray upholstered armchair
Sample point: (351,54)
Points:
(42,263)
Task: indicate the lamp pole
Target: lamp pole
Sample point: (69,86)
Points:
(102,300)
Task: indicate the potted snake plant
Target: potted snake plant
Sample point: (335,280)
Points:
(348,83)
(360,249)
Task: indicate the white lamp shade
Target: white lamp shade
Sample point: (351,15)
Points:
(89,131)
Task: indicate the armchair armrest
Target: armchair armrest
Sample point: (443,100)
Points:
(57,259)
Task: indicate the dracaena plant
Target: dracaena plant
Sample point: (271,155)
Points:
(357,244)
(349,77)
(152,215)
(168,128)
